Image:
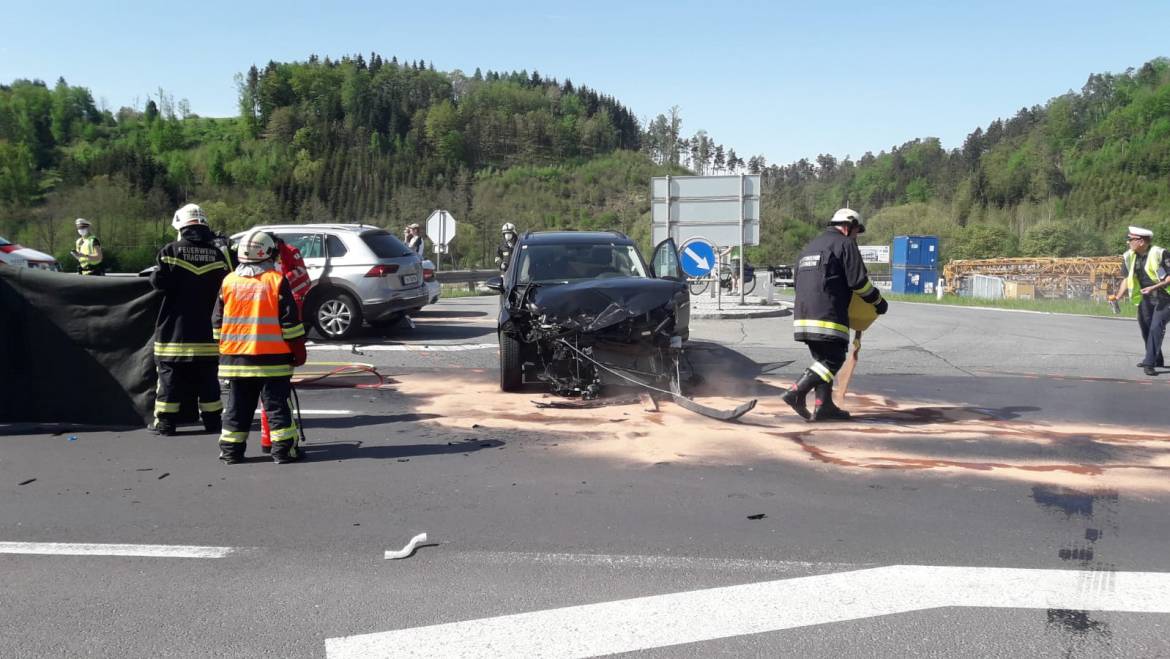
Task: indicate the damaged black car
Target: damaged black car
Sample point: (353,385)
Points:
(583,310)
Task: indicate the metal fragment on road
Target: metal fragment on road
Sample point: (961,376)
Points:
(648,402)
(586,404)
(408,549)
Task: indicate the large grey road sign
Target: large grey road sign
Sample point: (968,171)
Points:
(714,207)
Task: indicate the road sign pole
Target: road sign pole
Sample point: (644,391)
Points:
(669,234)
(742,258)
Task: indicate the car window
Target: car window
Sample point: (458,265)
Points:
(309,244)
(335,246)
(575,262)
(4,242)
(384,245)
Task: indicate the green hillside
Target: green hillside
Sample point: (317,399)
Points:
(384,143)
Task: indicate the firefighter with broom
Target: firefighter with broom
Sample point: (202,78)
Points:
(829,273)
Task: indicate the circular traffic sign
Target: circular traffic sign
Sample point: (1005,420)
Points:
(697,257)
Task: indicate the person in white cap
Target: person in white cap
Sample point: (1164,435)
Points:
(1145,271)
(414,239)
(88,250)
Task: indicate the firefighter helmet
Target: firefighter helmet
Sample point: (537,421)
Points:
(255,247)
(189,216)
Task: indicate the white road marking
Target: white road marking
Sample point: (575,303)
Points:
(648,562)
(703,615)
(146,551)
(402,347)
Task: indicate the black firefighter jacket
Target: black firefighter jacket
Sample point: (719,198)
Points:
(189,273)
(829,272)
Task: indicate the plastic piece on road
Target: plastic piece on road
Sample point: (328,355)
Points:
(408,549)
(73,438)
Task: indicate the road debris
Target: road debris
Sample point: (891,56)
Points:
(408,549)
(26,482)
(757,516)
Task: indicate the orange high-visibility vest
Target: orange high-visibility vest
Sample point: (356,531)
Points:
(251,316)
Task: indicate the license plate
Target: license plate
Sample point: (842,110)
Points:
(409,279)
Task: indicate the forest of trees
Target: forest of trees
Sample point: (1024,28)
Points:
(363,139)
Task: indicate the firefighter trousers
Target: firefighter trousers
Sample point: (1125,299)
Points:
(829,357)
(243,395)
(188,380)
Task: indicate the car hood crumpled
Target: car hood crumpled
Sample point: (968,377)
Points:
(594,305)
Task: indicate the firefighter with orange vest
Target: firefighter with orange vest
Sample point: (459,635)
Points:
(292,267)
(261,339)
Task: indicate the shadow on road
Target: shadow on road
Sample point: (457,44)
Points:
(359,420)
(359,451)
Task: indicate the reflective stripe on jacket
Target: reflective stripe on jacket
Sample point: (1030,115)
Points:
(1153,269)
(86,248)
(251,316)
(828,274)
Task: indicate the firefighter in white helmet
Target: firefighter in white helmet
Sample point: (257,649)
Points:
(188,271)
(507,245)
(261,339)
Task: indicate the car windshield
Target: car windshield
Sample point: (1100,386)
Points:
(4,242)
(385,245)
(560,264)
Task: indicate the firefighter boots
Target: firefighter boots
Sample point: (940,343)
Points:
(827,410)
(798,392)
(231,452)
(286,451)
(212,422)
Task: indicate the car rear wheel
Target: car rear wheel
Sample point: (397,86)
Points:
(511,366)
(338,316)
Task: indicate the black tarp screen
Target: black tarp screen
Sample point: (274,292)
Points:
(76,349)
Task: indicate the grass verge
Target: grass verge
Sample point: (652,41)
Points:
(460,290)
(1084,307)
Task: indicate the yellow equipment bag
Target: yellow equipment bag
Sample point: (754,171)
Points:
(861,314)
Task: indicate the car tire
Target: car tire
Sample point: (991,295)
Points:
(337,316)
(511,365)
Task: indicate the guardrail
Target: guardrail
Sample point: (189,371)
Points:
(469,277)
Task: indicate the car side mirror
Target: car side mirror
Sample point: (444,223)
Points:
(495,284)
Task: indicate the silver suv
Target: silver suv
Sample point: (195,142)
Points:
(359,272)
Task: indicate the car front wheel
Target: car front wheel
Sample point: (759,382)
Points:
(338,316)
(511,366)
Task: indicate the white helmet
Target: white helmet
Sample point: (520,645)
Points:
(189,216)
(508,228)
(848,216)
(255,247)
(80,222)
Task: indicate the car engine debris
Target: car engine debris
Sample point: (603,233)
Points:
(580,338)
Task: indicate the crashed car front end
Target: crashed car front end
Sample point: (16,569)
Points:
(580,337)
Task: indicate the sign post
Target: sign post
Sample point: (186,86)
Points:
(441,231)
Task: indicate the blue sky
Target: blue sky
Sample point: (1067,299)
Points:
(786,80)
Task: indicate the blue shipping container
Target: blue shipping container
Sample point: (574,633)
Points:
(914,280)
(915,251)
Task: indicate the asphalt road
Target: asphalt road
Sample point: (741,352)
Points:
(984,439)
